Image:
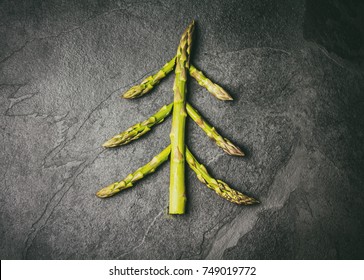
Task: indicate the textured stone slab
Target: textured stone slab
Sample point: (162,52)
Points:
(295,72)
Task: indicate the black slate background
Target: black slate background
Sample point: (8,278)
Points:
(295,70)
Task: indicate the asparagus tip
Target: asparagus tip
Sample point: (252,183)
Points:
(102,194)
(238,153)
(231,149)
(222,94)
(126,95)
(255,201)
(107,144)
(247,200)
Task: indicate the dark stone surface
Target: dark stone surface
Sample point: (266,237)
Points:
(295,70)
(338,26)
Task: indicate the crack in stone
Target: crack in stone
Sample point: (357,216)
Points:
(219,225)
(14,52)
(326,53)
(62,144)
(308,204)
(64,32)
(144,236)
(18,87)
(15,101)
(51,205)
(229,232)
(217,157)
(56,150)
(346,65)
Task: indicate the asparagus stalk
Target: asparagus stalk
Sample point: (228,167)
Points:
(147,84)
(213,88)
(139,129)
(150,167)
(220,187)
(177,192)
(211,132)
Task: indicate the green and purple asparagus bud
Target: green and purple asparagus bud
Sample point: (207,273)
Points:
(220,187)
(128,182)
(211,132)
(139,129)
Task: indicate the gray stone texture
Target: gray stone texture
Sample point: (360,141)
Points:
(295,70)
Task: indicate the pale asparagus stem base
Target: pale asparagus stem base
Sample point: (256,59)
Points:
(149,83)
(177,190)
(220,187)
(150,167)
(139,129)
(211,132)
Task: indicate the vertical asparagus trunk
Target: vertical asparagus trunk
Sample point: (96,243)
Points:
(177,190)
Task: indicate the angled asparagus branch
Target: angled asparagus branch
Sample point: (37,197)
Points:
(177,150)
(139,129)
(211,132)
(150,167)
(220,187)
(149,83)
(177,189)
(213,88)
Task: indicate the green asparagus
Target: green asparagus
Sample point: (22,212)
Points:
(213,88)
(220,187)
(147,84)
(177,190)
(150,167)
(211,132)
(139,129)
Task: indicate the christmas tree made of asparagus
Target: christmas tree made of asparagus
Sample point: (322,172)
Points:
(177,150)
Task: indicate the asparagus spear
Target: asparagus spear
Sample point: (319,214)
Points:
(139,129)
(148,83)
(150,167)
(220,187)
(211,132)
(213,88)
(177,192)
